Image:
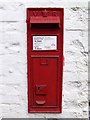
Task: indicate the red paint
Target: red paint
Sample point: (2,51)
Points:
(45,67)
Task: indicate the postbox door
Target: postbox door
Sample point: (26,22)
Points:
(44,70)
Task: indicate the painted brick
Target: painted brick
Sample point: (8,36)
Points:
(13,59)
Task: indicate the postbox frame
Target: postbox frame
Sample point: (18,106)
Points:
(30,101)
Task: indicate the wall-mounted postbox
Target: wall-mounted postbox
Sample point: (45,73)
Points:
(45,59)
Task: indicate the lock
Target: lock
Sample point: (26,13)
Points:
(41,89)
(45,59)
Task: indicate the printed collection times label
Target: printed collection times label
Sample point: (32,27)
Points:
(44,42)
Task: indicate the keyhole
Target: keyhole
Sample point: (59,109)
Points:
(38,88)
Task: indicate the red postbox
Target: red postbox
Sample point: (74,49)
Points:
(45,59)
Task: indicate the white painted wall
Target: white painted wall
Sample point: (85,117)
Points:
(13,58)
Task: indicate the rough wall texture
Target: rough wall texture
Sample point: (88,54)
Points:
(13,59)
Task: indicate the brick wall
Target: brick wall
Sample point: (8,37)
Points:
(13,59)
